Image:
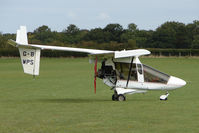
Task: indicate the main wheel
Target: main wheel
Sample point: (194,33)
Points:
(121,97)
(114,97)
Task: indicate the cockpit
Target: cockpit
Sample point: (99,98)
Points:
(150,74)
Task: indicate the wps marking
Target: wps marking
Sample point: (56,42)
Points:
(27,53)
(26,61)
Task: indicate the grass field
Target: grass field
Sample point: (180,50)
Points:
(62,100)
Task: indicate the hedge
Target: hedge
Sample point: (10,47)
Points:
(44,53)
(174,52)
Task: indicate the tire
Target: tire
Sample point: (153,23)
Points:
(121,97)
(164,99)
(114,98)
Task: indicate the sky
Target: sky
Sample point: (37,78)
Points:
(89,14)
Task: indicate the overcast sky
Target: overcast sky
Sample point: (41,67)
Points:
(88,14)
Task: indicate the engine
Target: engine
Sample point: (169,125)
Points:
(107,73)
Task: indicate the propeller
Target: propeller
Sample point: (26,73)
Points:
(95,69)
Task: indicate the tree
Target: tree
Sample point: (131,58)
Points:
(132,27)
(182,40)
(2,41)
(195,42)
(96,35)
(171,35)
(114,31)
(71,29)
(42,28)
(127,35)
(44,34)
(72,34)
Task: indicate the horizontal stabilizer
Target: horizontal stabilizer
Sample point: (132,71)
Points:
(12,42)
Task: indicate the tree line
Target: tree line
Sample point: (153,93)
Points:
(174,35)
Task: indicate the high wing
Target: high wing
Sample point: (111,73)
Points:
(30,53)
(94,52)
(45,47)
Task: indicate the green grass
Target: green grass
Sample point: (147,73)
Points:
(62,100)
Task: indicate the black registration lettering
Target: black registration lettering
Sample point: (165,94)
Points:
(32,54)
(24,53)
(31,62)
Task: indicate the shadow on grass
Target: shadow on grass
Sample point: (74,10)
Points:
(72,100)
(92,100)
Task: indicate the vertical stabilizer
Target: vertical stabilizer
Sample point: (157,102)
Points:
(21,37)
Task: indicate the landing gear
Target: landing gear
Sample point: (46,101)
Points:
(116,97)
(121,97)
(164,97)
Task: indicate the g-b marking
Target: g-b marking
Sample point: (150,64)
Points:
(32,54)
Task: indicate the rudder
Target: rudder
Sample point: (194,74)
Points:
(30,57)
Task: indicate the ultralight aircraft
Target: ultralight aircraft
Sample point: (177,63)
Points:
(122,71)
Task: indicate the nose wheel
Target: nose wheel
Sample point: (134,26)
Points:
(164,97)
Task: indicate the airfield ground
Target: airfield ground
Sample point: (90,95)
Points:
(62,100)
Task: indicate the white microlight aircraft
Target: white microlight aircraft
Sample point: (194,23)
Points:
(120,70)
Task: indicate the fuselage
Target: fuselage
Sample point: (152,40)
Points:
(135,75)
(173,83)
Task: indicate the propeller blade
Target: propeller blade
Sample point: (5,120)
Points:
(95,85)
(95,69)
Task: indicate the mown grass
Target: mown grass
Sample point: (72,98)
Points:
(62,100)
